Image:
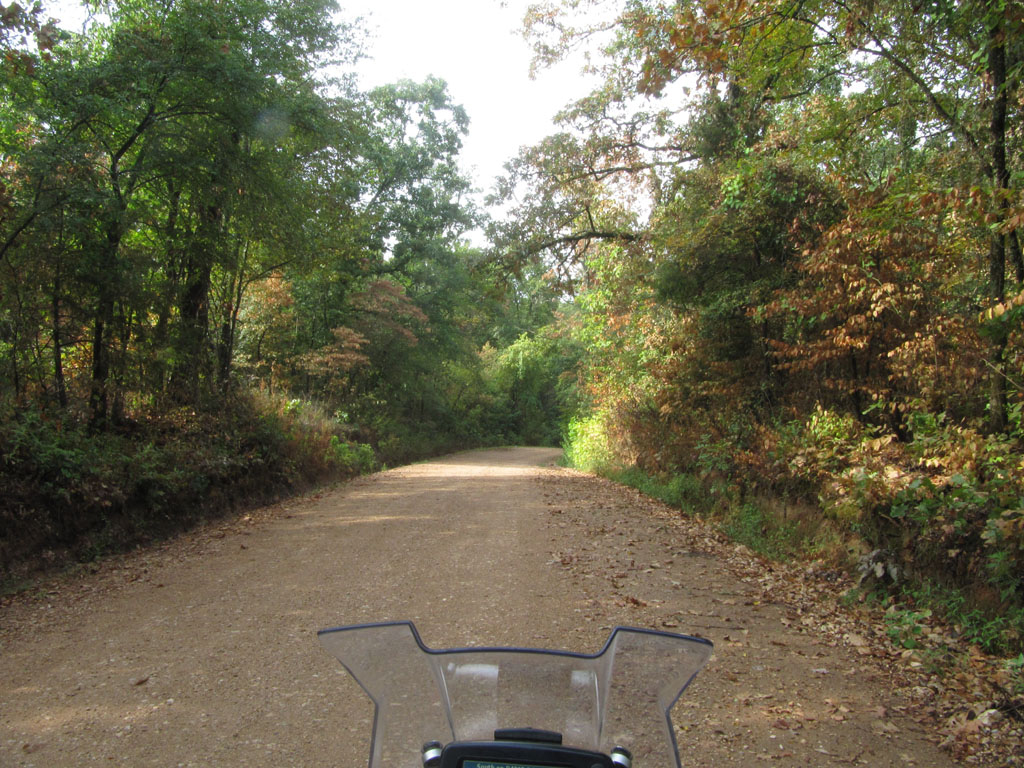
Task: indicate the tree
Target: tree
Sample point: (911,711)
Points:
(160,146)
(23,38)
(380,317)
(146,166)
(812,188)
(917,61)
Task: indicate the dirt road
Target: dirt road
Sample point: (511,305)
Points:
(201,652)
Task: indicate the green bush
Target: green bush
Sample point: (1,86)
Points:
(586,444)
(351,457)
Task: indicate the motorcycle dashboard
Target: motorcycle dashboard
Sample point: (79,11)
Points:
(519,755)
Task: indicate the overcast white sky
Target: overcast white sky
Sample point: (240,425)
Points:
(476,46)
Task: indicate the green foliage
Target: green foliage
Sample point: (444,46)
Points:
(686,492)
(586,444)
(75,493)
(190,211)
(190,205)
(774,302)
(764,533)
(1015,668)
(754,524)
(526,378)
(822,309)
(905,627)
(351,457)
(909,610)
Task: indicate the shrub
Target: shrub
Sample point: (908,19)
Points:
(586,444)
(73,493)
(351,457)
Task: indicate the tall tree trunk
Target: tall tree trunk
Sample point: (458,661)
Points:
(58,348)
(124,324)
(226,340)
(157,366)
(98,396)
(1013,238)
(194,308)
(997,246)
(229,320)
(9,332)
(194,321)
(225,346)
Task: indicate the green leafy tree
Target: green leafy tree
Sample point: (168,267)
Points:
(172,139)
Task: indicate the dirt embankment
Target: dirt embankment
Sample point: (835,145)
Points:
(201,652)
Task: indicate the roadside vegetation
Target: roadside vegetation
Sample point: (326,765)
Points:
(792,236)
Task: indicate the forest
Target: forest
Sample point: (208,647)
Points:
(227,276)
(769,270)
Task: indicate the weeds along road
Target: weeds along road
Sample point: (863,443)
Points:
(202,651)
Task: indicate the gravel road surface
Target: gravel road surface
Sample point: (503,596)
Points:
(201,651)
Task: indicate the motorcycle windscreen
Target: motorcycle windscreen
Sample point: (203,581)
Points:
(620,696)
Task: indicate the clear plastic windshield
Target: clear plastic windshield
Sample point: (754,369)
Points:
(618,697)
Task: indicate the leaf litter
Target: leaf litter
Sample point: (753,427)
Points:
(783,630)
